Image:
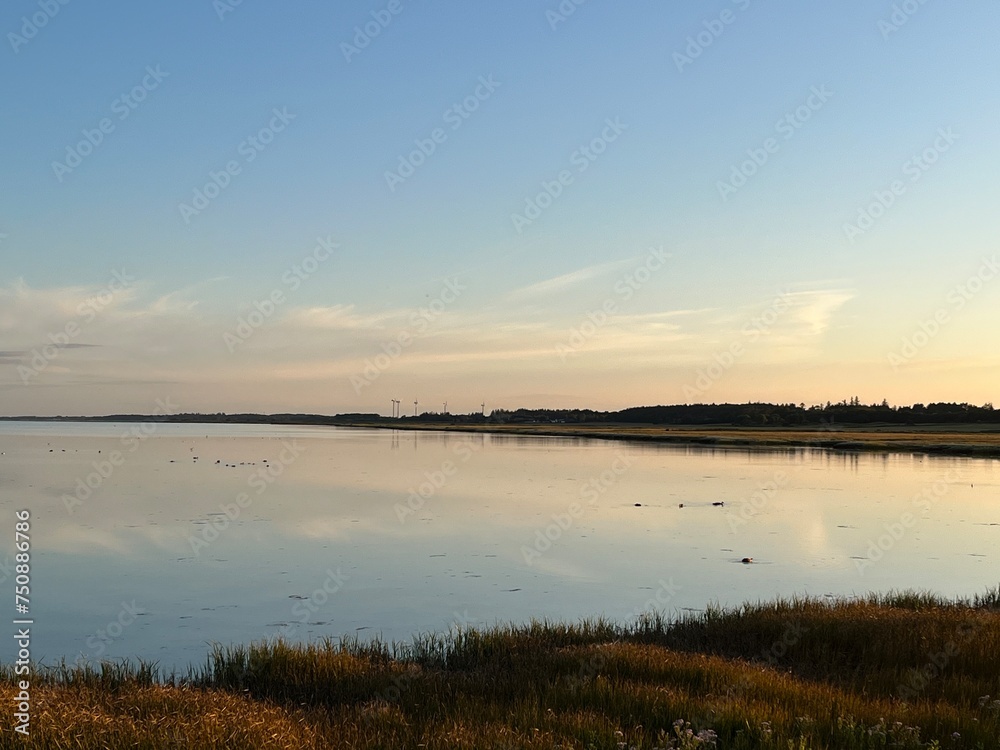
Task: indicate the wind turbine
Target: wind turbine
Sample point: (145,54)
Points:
(445,407)
(414,407)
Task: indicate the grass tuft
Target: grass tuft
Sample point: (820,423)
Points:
(898,670)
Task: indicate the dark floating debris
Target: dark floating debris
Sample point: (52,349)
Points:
(718,504)
(681,505)
(638,505)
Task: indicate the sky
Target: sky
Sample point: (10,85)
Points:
(322,207)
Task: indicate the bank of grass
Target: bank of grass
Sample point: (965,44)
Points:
(982,441)
(903,670)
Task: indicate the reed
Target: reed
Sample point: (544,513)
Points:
(900,670)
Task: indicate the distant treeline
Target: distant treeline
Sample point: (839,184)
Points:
(742,415)
(765,415)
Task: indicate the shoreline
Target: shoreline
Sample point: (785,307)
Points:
(970,444)
(945,439)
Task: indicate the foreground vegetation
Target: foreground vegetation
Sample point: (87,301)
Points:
(898,671)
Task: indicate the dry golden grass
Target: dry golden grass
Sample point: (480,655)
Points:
(156,716)
(854,674)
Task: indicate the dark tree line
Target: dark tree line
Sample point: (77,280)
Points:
(848,411)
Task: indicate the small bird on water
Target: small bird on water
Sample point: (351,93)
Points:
(747,560)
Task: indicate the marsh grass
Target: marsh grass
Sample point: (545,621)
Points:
(902,670)
(953,440)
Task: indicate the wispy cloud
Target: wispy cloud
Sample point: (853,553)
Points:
(814,310)
(342,317)
(568,280)
(184,299)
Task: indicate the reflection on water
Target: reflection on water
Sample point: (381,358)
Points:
(155,543)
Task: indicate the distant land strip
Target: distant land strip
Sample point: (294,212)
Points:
(942,429)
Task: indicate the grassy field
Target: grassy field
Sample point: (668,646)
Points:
(899,671)
(955,440)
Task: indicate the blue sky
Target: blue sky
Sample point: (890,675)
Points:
(555,84)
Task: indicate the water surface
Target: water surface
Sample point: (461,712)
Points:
(324,531)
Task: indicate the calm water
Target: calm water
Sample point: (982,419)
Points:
(330,534)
